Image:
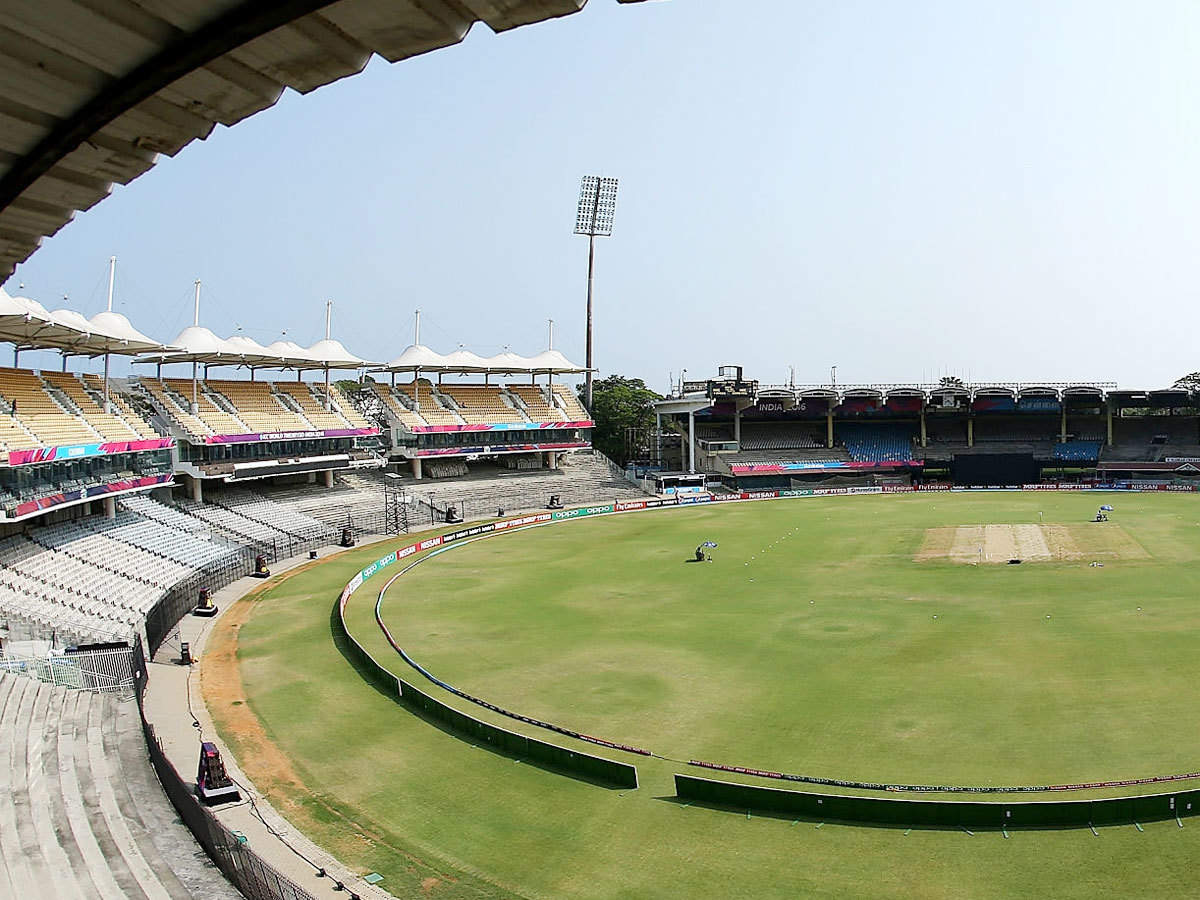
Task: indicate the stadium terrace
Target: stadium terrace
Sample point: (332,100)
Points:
(746,435)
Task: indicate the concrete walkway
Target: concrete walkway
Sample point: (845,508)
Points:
(173,688)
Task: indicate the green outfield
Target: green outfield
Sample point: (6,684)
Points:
(875,638)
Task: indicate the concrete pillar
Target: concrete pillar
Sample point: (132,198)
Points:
(416,467)
(329,478)
(312,477)
(691,440)
(924,435)
(829,428)
(658,438)
(552,459)
(970,431)
(110,507)
(197,490)
(1064,423)
(1108,414)
(737,426)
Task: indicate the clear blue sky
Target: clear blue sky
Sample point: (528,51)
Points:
(1000,191)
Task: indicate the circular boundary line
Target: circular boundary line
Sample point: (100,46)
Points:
(480,532)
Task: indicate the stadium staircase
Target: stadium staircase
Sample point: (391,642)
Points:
(81,811)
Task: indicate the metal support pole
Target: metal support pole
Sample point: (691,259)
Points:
(691,440)
(587,384)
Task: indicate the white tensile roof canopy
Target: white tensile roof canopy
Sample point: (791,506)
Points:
(418,357)
(28,325)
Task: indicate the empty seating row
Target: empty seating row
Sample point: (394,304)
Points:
(248,407)
(1077,451)
(780,437)
(36,418)
(93,579)
(282,518)
(538,406)
(481,404)
(82,813)
(877,443)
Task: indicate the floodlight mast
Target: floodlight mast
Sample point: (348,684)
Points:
(594,217)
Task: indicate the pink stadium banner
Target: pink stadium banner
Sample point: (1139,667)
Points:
(82,451)
(501,448)
(259,436)
(500,426)
(29,506)
(817,465)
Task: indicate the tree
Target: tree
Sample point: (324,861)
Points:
(1189,382)
(950,381)
(618,405)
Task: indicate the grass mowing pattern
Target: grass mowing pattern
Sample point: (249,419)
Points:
(463,810)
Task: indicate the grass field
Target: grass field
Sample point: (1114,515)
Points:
(809,645)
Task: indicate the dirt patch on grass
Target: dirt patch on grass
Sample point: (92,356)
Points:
(349,840)
(974,544)
(221,688)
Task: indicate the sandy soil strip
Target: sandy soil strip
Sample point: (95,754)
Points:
(1031,543)
(1000,544)
(937,543)
(967,541)
(1106,540)
(1061,542)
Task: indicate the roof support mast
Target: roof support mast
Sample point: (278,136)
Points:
(328,317)
(195,365)
(112,275)
(417,371)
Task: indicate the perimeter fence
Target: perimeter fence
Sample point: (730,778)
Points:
(245,869)
(939,813)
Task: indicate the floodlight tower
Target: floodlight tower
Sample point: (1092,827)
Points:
(594,217)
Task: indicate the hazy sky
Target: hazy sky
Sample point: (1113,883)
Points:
(1000,191)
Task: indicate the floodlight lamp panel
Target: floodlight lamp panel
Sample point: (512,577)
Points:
(597,205)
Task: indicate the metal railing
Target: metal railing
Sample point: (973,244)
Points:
(103,671)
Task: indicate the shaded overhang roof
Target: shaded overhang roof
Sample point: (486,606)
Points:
(92,93)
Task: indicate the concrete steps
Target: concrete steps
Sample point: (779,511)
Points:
(81,812)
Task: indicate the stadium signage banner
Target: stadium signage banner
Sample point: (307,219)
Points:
(500,426)
(259,436)
(83,451)
(88,493)
(819,465)
(488,450)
